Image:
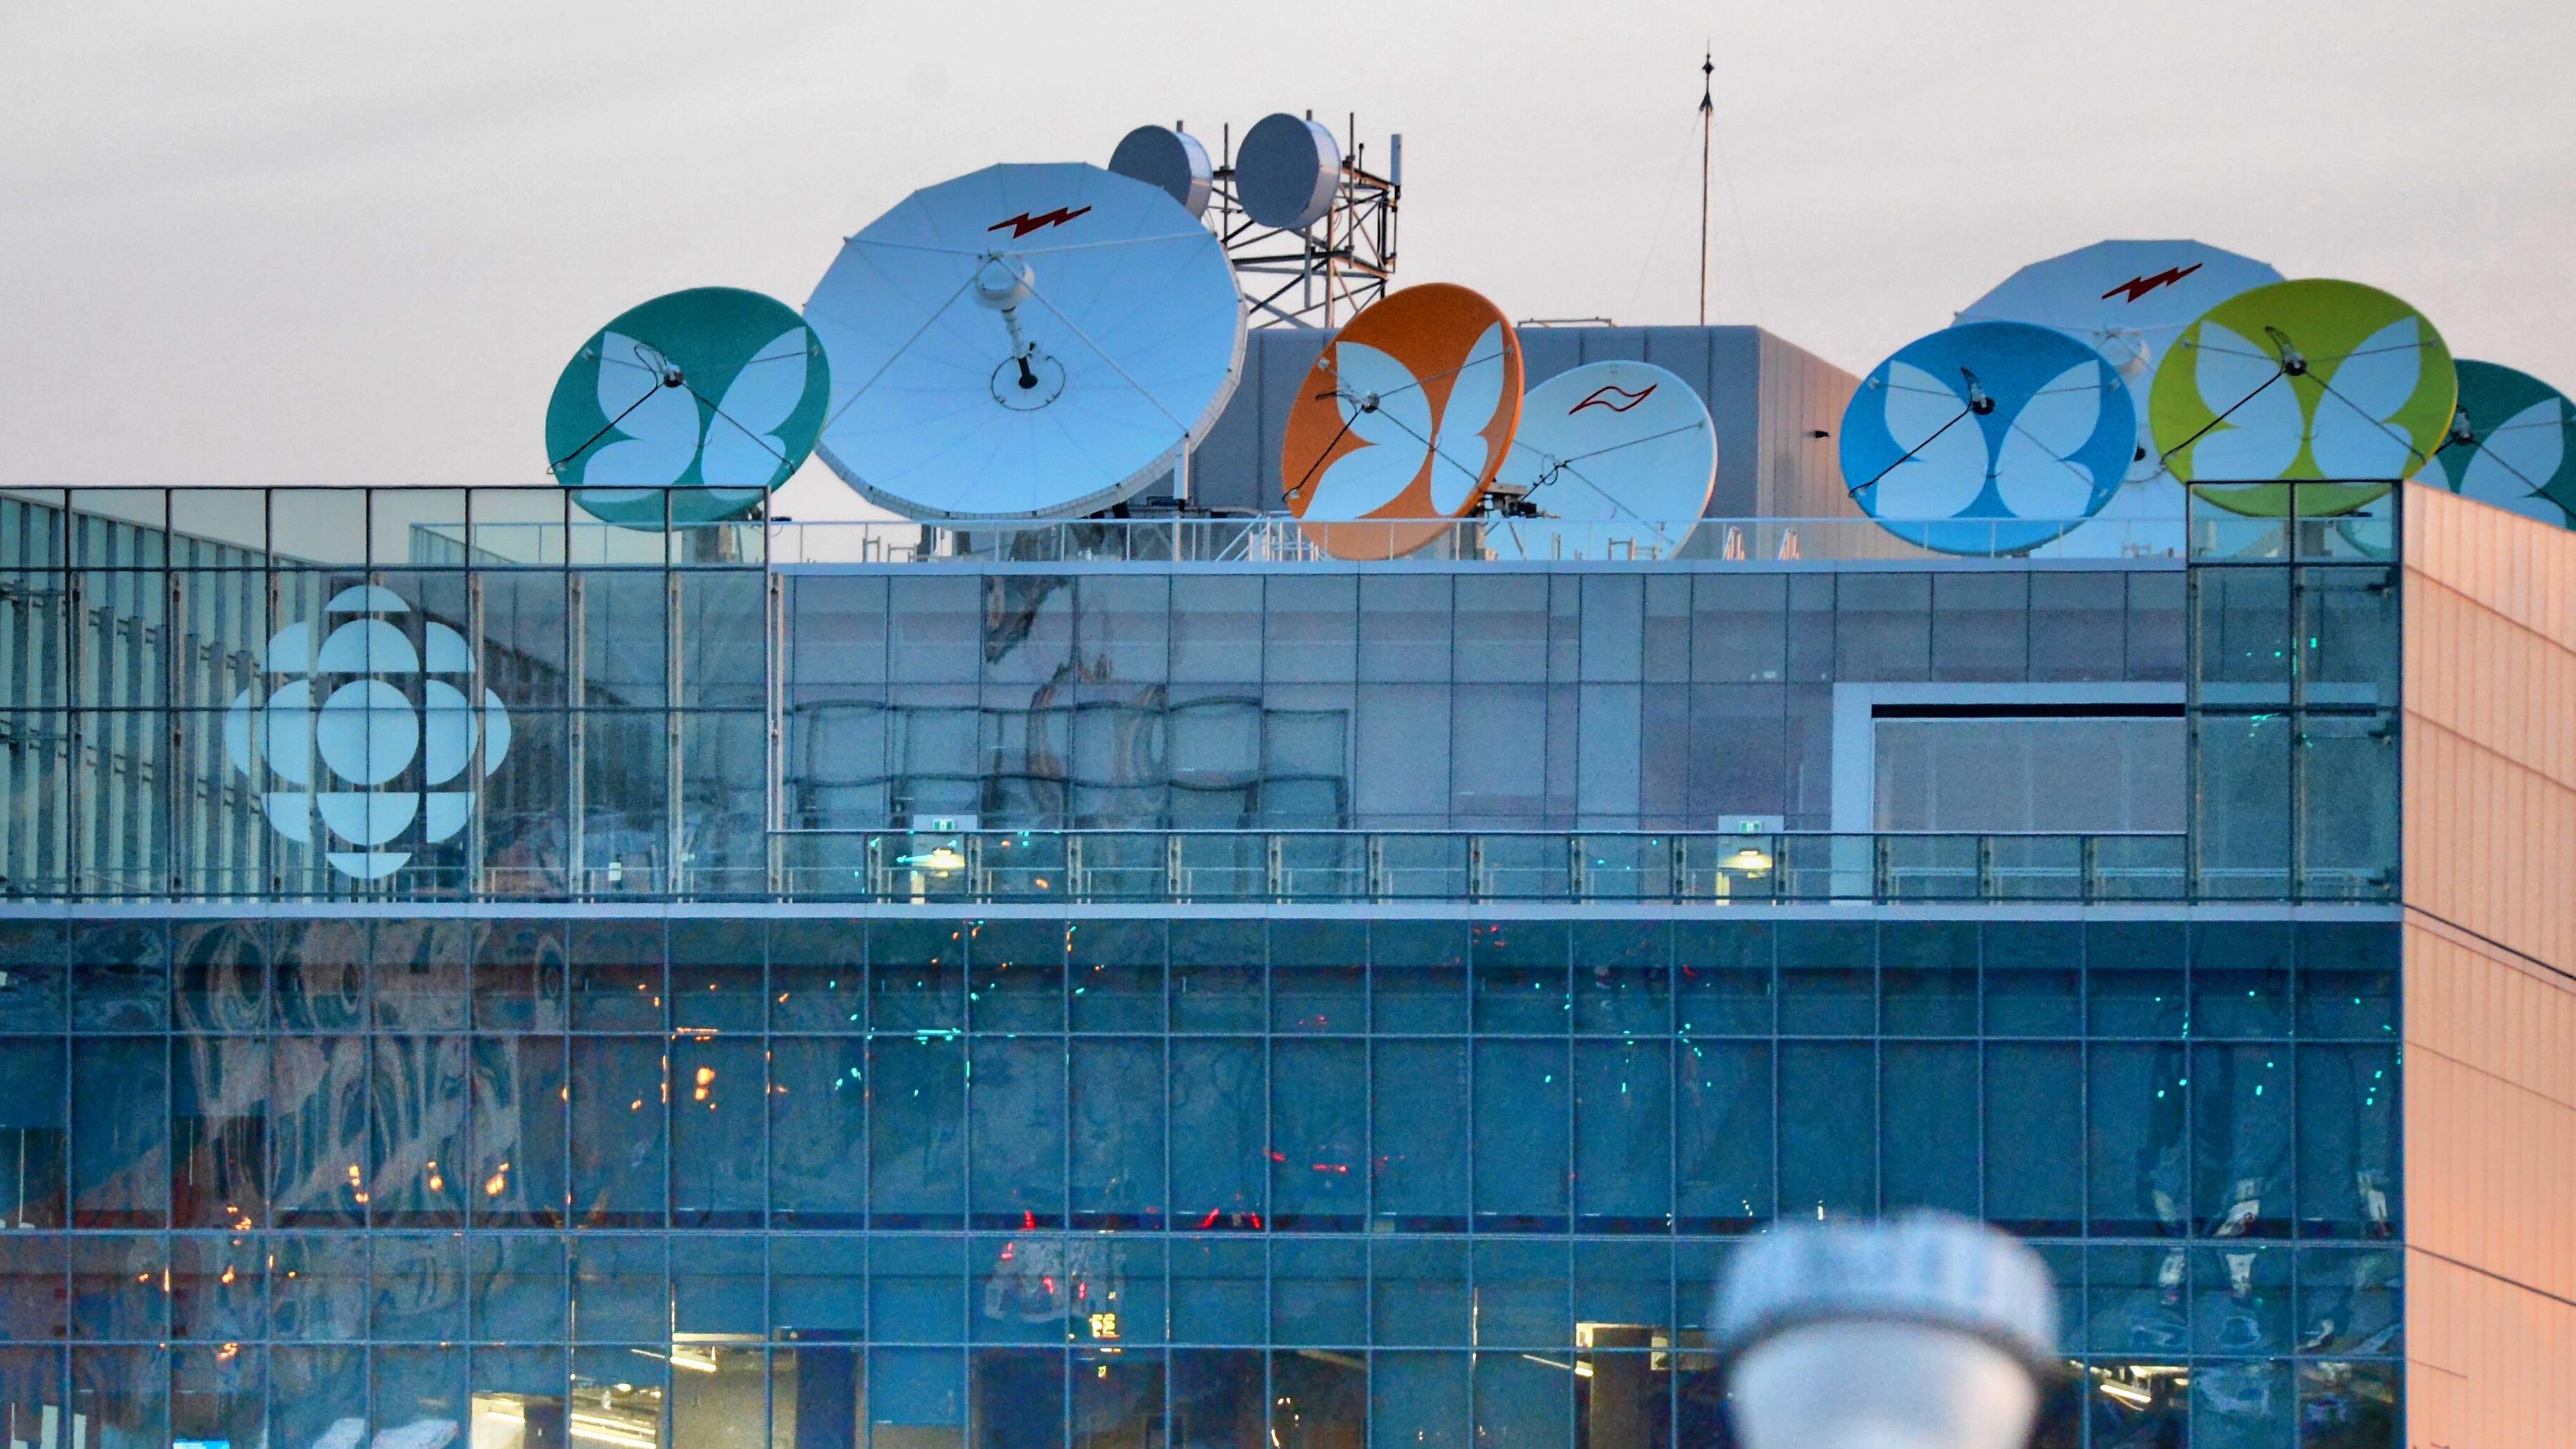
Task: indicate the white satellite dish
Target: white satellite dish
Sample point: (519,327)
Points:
(1617,457)
(1024,342)
(1170,158)
(1286,171)
(2130,300)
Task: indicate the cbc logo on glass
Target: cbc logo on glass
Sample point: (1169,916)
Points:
(362,732)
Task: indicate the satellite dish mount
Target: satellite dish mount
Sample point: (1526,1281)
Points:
(1308,227)
(1028,379)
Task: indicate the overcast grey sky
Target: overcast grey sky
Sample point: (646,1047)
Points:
(284,242)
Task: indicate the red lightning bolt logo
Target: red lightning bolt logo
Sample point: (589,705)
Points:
(2138,287)
(1024,223)
(1626,401)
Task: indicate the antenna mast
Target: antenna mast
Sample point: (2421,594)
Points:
(1707,123)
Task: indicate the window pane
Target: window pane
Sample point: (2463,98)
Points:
(217,1127)
(1318,1291)
(1219,1145)
(2141,1175)
(718,1091)
(2034,773)
(2076,625)
(1828,978)
(2034,978)
(317,1110)
(517,1287)
(2347,1141)
(1420,1401)
(1017,1086)
(2034,1126)
(1981,625)
(35,1119)
(1404,627)
(2348,980)
(1623,1123)
(2241,808)
(1319,1134)
(1421,1135)
(2240,978)
(1319,1401)
(2241,1132)
(1928,1141)
(1117,1105)
(120,1149)
(916,1160)
(1419,983)
(1723,1136)
(1521,1152)
(1828,1131)
(520,1158)
(818,1119)
(1319,976)
(1928,978)
(1219,1399)
(1883,626)
(1421,1292)
(1311,627)
(1117,975)
(618,1132)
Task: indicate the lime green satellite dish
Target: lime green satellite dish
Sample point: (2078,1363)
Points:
(713,395)
(2513,445)
(2337,388)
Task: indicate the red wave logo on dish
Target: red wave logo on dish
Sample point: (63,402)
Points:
(1024,223)
(2138,287)
(1600,398)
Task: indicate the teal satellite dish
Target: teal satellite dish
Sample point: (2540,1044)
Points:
(2512,445)
(714,395)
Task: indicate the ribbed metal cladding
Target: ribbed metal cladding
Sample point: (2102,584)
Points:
(2490,987)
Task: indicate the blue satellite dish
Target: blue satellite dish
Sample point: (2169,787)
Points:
(1988,438)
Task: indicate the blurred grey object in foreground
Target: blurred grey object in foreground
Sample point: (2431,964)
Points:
(1926,1331)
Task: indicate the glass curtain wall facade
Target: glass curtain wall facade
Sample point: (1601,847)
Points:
(689,721)
(629,1114)
(1031,1180)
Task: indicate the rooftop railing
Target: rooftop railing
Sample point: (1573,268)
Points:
(1191,867)
(1288,866)
(344,528)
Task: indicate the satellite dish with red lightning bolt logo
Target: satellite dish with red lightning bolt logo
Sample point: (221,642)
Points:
(1024,342)
(2129,300)
(1024,223)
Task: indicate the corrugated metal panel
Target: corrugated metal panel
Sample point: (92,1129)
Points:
(2490,992)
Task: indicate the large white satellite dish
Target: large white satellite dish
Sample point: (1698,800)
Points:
(2130,300)
(1024,341)
(1618,458)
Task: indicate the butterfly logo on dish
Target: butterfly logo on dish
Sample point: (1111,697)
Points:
(663,425)
(1404,435)
(2033,460)
(2511,465)
(2284,414)
(1601,398)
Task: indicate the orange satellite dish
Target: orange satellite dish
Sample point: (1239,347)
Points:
(1402,421)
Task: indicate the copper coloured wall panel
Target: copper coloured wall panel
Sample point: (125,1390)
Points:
(2490,992)
(2486,1363)
(2490,1124)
